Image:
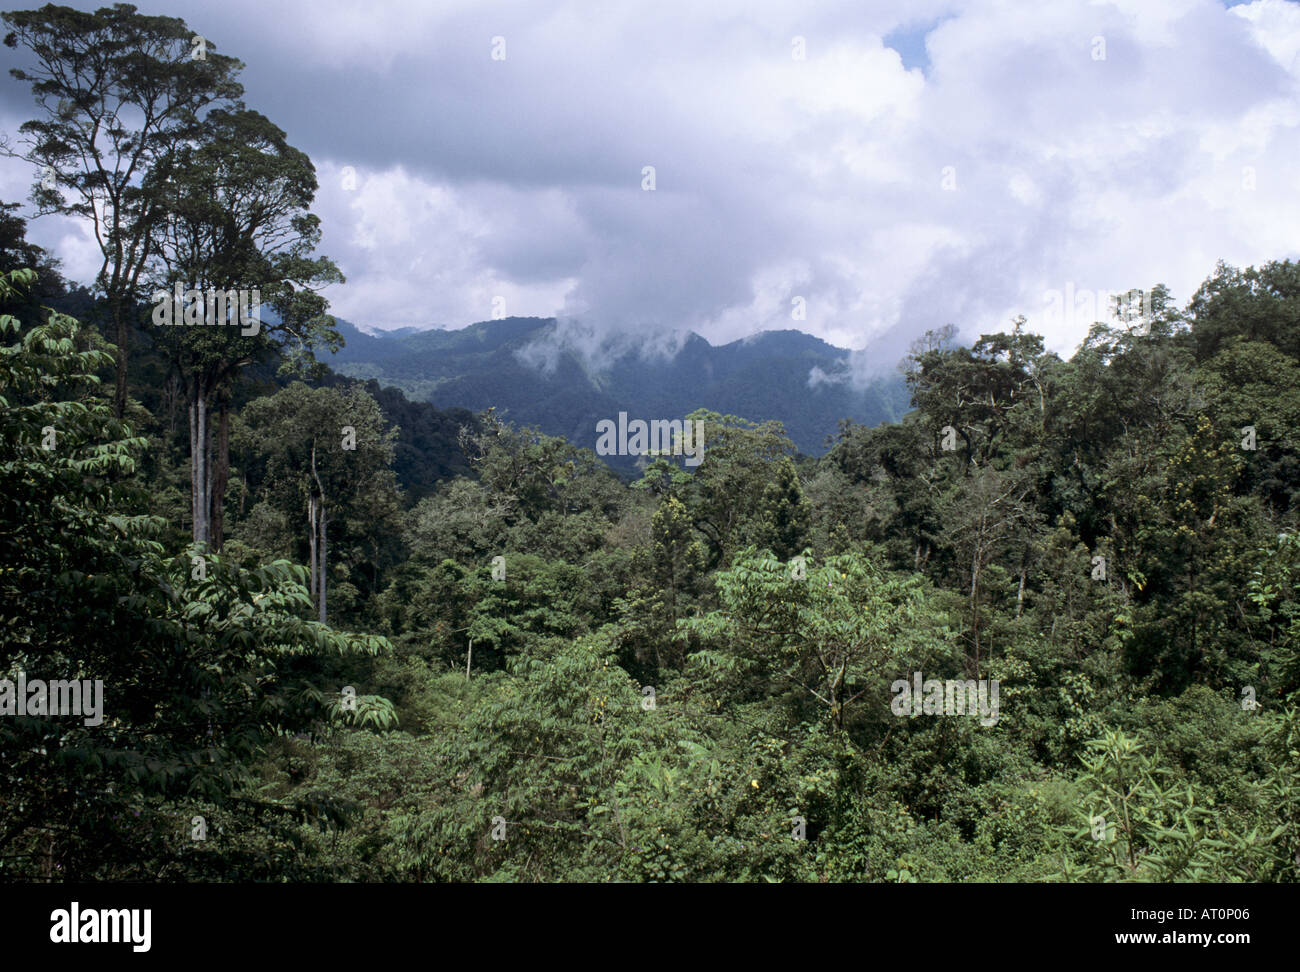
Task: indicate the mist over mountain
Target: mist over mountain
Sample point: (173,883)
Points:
(788,376)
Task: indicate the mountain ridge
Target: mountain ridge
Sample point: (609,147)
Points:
(765,376)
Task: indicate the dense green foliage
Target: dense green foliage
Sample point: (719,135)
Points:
(375,640)
(551,675)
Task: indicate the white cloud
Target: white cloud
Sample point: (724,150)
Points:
(778,178)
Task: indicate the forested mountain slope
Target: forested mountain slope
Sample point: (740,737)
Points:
(520,368)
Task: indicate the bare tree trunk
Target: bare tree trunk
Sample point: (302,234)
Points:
(974,607)
(321,516)
(322,560)
(221,474)
(207,471)
(200,450)
(1020,594)
(122,333)
(469,656)
(205,455)
(312,534)
(194,467)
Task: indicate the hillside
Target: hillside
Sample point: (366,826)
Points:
(481,366)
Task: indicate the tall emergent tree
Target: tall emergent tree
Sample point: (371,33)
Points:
(234,221)
(117,92)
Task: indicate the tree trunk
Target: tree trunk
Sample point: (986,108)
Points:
(320,513)
(194,468)
(221,474)
(122,333)
(200,449)
(207,472)
(322,560)
(974,608)
(312,535)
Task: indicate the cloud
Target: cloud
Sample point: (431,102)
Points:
(1033,146)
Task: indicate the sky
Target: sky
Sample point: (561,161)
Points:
(920,164)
